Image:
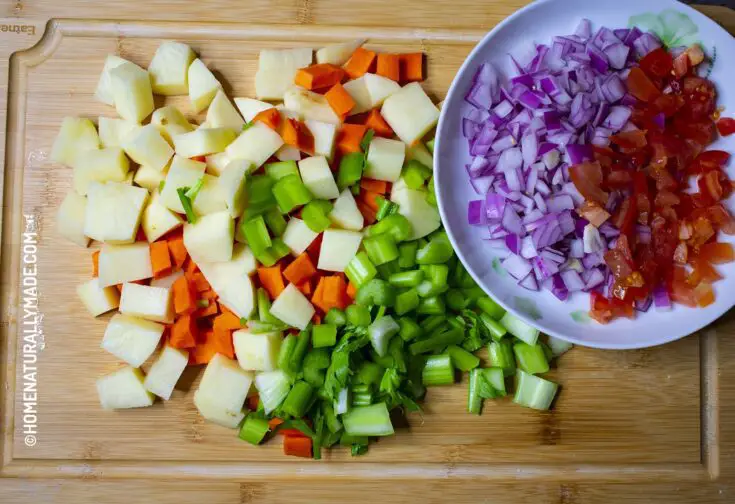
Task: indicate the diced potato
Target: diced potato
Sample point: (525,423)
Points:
(420,153)
(170,122)
(124,263)
(131,90)
(167,281)
(385,159)
(232,186)
(150,303)
(147,147)
(231,281)
(287,114)
(222,114)
(98,300)
(103,93)
(256,144)
(103,165)
(203,86)
(76,135)
(423,217)
(211,197)
(257,352)
(113,132)
(131,339)
(288,153)
(292,308)
(357,89)
(338,54)
(324,137)
(158,220)
(345,213)
(148,177)
(318,178)
(123,389)
(215,413)
(309,105)
(216,163)
(370,91)
(225,384)
(250,107)
(204,141)
(113,212)
(298,236)
(410,113)
(277,69)
(338,249)
(182,173)
(166,371)
(211,238)
(169,68)
(70,218)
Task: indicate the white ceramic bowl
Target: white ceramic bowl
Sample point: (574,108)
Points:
(538,23)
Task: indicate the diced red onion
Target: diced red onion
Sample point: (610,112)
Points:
(592,239)
(512,222)
(594,278)
(494,206)
(517,267)
(643,305)
(481,185)
(661,299)
(617,118)
(646,43)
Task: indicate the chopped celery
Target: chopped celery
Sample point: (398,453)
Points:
(253,429)
(324,335)
(368,373)
(258,327)
(437,342)
(284,355)
(275,221)
(376,292)
(438,370)
(430,145)
(489,306)
(360,270)
(396,351)
(390,268)
(358,315)
(462,359)
(385,208)
(366,139)
(496,330)
(335,316)
(433,322)
(438,251)
(193,191)
(395,225)
(314,377)
(436,274)
(431,194)
(474,401)
(297,355)
(273,387)
(406,279)
(415,174)
(547,351)
(348,440)
(280,169)
(362,398)
(298,399)
(500,354)
(260,192)
(559,346)
(350,169)
(409,329)
(315,215)
(264,307)
(290,192)
(333,423)
(256,234)
(432,306)
(531,358)
(461,278)
(342,402)
(266,257)
(373,420)
(533,391)
(381,249)
(520,329)
(355,190)
(496,378)
(380,333)
(406,302)
(186,203)
(407,254)
(429,289)
(473,294)
(456,301)
(317,358)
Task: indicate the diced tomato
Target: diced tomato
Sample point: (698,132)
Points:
(657,63)
(702,271)
(714,185)
(726,126)
(635,139)
(626,216)
(717,252)
(682,293)
(702,231)
(709,160)
(681,65)
(640,86)
(704,295)
(666,198)
(721,219)
(587,178)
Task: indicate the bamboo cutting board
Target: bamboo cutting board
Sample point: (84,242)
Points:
(655,425)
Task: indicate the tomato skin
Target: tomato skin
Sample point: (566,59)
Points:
(708,160)
(726,126)
(657,63)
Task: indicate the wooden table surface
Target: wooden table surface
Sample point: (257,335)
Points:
(654,425)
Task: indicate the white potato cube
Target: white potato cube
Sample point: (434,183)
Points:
(257,352)
(420,153)
(124,263)
(379,88)
(70,218)
(113,132)
(231,280)
(203,141)
(215,413)
(222,114)
(232,186)
(182,173)
(292,308)
(76,135)
(103,93)
(216,163)
(147,147)
(203,86)
(345,213)
(298,236)
(131,339)
(318,178)
(338,249)
(225,384)
(148,177)
(103,165)
(169,68)
(123,389)
(167,281)
(324,137)
(410,113)
(113,212)
(170,122)
(98,300)
(338,54)
(423,217)
(150,303)
(166,371)
(309,105)
(250,107)
(256,144)
(211,197)
(131,90)
(385,159)
(277,69)
(211,238)
(357,89)
(288,153)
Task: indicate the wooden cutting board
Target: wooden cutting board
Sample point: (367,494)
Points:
(655,425)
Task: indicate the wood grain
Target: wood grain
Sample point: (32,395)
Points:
(655,425)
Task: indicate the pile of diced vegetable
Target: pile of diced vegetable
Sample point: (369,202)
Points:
(295,249)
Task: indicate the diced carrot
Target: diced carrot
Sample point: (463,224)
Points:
(300,269)
(184,332)
(335,293)
(317,298)
(211,309)
(340,100)
(274,422)
(367,212)
(389,66)
(190,267)
(359,63)
(305,287)
(349,137)
(160,259)
(298,446)
(252,402)
(271,280)
(376,123)
(351,291)
(228,321)
(96,263)
(177,249)
(204,350)
(376,186)
(226,310)
(270,117)
(185,300)
(412,67)
(370,198)
(319,76)
(200,283)
(222,341)
(296,134)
